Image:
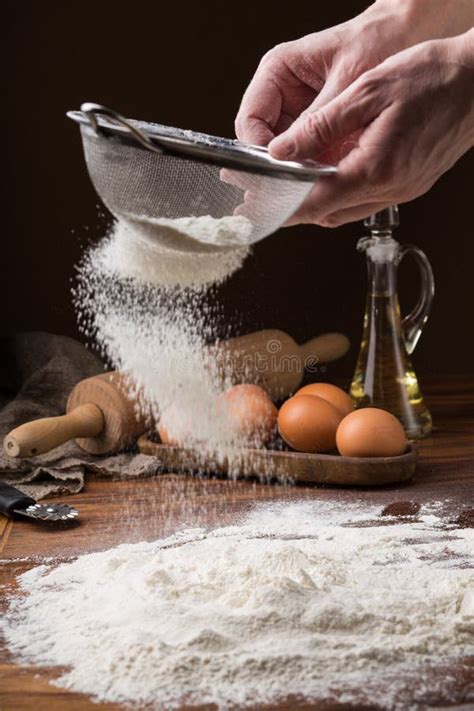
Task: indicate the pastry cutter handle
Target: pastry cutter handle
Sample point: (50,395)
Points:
(12,499)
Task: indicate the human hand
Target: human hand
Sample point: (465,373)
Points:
(414,117)
(309,72)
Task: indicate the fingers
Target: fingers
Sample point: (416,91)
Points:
(317,129)
(277,94)
(239,179)
(260,108)
(354,191)
(352,214)
(331,89)
(250,208)
(330,196)
(347,188)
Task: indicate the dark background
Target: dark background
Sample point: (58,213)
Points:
(187,65)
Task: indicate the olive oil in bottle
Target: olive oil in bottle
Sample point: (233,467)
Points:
(384,376)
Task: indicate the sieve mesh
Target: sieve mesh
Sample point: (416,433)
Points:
(136,183)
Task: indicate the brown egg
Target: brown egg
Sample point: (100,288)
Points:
(370,432)
(252,411)
(308,423)
(336,396)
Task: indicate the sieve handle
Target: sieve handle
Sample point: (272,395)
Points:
(91,110)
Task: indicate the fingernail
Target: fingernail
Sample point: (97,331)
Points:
(283,148)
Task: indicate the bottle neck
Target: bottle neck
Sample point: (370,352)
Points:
(381,252)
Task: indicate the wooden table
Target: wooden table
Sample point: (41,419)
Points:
(167,502)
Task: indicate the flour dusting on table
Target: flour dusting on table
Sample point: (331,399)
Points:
(315,600)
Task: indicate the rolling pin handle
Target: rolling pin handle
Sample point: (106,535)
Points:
(45,434)
(325,348)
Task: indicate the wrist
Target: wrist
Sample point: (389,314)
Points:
(458,53)
(423,20)
(399,24)
(385,27)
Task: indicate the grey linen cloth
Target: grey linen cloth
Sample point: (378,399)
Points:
(37,372)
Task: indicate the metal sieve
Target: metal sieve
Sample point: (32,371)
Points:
(146,171)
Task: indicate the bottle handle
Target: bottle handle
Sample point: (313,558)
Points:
(413,323)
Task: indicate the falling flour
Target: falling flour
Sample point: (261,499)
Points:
(146,294)
(309,600)
(182,252)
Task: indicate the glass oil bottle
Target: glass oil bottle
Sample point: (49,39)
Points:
(384,376)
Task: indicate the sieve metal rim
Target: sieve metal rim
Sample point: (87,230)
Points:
(224,152)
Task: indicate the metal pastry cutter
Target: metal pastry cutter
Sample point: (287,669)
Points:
(14,503)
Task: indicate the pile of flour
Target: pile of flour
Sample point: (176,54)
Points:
(145,293)
(316,600)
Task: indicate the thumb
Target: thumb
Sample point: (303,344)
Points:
(320,127)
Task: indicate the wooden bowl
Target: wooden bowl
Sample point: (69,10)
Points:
(289,467)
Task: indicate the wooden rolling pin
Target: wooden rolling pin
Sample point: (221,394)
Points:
(273,360)
(100,417)
(103,418)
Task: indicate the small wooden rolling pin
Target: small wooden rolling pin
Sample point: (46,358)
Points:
(102,417)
